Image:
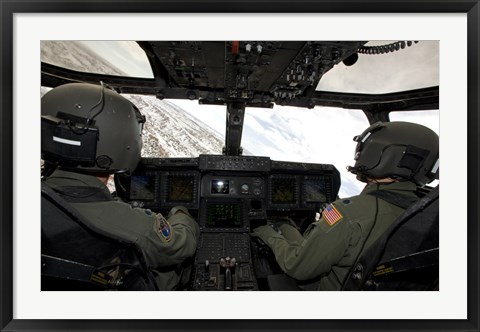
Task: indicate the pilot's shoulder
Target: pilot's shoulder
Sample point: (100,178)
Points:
(354,201)
(349,208)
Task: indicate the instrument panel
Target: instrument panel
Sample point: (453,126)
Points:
(229,196)
(161,183)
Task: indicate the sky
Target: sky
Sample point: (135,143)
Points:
(319,135)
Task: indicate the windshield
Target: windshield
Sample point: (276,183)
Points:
(319,135)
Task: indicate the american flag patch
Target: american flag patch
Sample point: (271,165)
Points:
(331,215)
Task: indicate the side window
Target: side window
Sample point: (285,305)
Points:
(430,119)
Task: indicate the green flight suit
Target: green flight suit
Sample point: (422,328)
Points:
(165,245)
(330,246)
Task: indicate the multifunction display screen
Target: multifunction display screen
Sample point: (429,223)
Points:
(142,188)
(180,188)
(283,191)
(315,190)
(224,215)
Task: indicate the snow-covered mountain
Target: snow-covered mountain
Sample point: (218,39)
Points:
(168,132)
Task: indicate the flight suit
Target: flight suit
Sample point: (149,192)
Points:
(329,247)
(165,243)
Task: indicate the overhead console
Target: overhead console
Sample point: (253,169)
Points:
(228,196)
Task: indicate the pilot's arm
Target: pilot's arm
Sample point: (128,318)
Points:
(322,246)
(171,240)
(287,228)
(291,233)
(165,242)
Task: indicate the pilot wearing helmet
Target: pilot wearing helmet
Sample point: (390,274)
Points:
(90,132)
(391,157)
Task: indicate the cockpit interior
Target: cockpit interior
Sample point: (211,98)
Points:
(231,193)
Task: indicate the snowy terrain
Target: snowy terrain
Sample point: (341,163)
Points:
(73,55)
(171,132)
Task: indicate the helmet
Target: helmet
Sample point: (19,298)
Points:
(90,128)
(399,150)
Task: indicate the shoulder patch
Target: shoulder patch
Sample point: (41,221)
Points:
(163,228)
(331,215)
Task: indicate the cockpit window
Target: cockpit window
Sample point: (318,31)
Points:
(321,135)
(429,119)
(412,67)
(121,58)
(171,130)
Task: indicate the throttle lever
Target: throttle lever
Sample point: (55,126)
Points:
(228,264)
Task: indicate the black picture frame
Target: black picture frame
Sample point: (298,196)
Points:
(9,7)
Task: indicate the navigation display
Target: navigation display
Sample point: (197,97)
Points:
(142,187)
(283,191)
(180,189)
(224,215)
(315,190)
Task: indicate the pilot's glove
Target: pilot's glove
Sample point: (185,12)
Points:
(266,231)
(281,221)
(178,209)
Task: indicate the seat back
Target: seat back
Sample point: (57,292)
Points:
(76,255)
(406,256)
